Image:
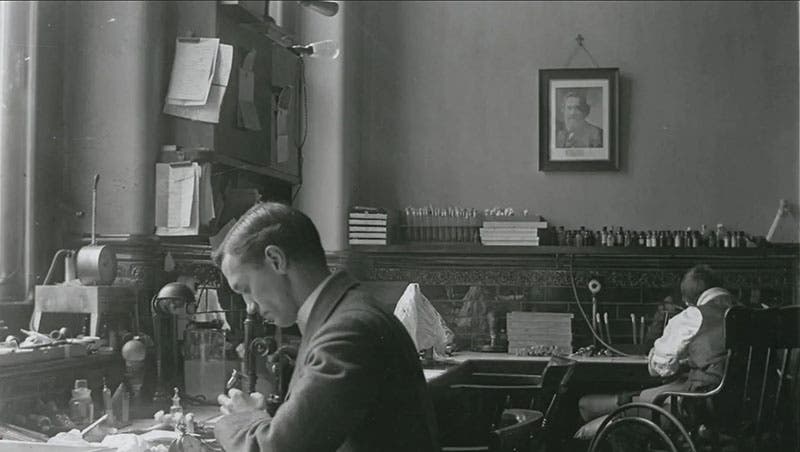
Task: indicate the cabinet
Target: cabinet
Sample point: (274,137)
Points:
(275,69)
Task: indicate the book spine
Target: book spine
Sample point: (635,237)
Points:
(356,222)
(369,216)
(515,224)
(367,229)
(368,235)
(367,242)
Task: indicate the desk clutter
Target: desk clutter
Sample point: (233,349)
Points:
(492,227)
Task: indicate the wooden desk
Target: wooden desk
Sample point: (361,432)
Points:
(55,378)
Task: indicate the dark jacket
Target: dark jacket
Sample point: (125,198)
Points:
(357,385)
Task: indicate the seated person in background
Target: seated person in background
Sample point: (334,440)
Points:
(690,352)
(357,382)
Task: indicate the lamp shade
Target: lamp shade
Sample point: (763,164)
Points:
(172,296)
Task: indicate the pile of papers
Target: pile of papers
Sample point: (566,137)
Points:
(200,73)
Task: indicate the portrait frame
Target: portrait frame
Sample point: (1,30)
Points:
(583,136)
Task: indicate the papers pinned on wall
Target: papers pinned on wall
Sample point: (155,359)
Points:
(281,105)
(184,199)
(199,79)
(247,117)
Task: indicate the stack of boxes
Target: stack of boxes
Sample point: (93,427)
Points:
(539,333)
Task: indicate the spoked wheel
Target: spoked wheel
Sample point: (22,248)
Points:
(641,427)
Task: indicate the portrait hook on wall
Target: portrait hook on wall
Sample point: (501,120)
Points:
(579,40)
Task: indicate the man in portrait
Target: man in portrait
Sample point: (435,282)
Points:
(575,131)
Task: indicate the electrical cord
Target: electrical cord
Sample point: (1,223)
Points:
(586,318)
(302,91)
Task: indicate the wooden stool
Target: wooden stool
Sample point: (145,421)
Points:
(96,301)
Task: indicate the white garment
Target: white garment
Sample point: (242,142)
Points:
(672,347)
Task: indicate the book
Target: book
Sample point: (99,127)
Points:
(368,216)
(509,230)
(515,224)
(366,209)
(367,235)
(361,222)
(367,228)
(511,243)
(368,241)
(509,237)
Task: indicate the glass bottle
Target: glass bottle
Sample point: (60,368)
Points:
(81,408)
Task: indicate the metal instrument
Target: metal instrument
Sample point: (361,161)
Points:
(96,264)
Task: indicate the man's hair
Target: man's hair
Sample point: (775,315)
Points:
(272,223)
(696,281)
(583,106)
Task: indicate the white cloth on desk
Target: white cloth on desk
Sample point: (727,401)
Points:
(423,323)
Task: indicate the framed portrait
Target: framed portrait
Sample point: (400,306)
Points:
(579,119)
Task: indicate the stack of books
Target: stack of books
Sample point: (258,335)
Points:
(512,231)
(539,330)
(368,226)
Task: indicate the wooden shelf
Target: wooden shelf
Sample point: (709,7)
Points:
(267,28)
(791,250)
(207,155)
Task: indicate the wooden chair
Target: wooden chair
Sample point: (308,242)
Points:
(492,405)
(754,407)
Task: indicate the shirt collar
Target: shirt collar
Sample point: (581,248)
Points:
(305,309)
(710,294)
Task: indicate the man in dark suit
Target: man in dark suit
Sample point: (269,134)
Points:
(575,131)
(357,383)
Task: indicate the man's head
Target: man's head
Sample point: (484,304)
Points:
(266,249)
(575,109)
(696,281)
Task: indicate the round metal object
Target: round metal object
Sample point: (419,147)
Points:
(96,265)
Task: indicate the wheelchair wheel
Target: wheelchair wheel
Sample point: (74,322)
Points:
(641,427)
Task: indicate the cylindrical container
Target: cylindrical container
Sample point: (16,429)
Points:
(81,408)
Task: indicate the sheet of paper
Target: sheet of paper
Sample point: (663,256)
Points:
(192,70)
(247,111)
(181,196)
(206,196)
(181,183)
(283,148)
(222,72)
(162,193)
(205,113)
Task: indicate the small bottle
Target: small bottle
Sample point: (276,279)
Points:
(176,403)
(742,240)
(704,235)
(107,405)
(712,239)
(726,240)
(561,236)
(604,236)
(720,235)
(579,239)
(81,408)
(734,240)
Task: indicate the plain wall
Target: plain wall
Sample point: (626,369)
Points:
(709,110)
